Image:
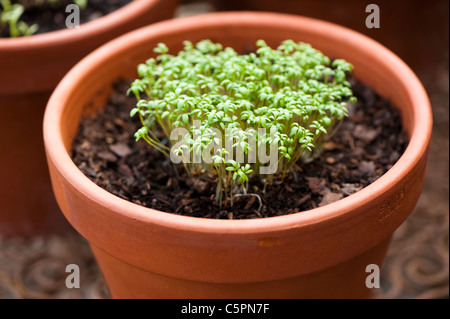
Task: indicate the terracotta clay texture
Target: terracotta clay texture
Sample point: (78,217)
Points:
(30,69)
(407,27)
(320,253)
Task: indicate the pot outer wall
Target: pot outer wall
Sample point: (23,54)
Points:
(415,30)
(322,253)
(345,280)
(30,68)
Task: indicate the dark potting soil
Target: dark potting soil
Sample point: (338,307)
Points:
(365,147)
(52,17)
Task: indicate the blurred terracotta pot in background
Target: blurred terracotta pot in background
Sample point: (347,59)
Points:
(30,68)
(407,27)
(320,253)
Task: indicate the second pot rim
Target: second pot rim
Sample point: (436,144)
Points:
(63,36)
(124,209)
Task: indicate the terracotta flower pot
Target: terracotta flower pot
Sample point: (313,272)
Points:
(407,27)
(320,253)
(30,68)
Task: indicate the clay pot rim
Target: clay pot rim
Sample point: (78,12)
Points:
(123,209)
(62,37)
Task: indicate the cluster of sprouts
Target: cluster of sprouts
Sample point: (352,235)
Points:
(11,12)
(233,116)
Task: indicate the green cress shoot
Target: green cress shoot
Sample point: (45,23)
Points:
(11,12)
(230,109)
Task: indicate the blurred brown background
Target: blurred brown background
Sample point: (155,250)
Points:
(417,265)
